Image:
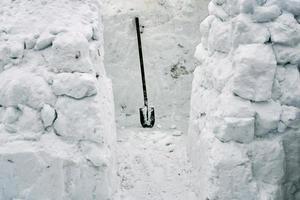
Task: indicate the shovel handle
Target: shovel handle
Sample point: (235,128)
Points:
(138,32)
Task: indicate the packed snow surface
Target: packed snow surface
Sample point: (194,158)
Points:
(153,165)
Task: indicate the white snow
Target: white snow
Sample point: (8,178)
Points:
(57,119)
(153,165)
(170,36)
(57,125)
(244,124)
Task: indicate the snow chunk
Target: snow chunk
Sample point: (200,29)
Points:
(29,123)
(230,105)
(44,41)
(266,14)
(71,53)
(291,116)
(287,54)
(76,85)
(285,30)
(20,87)
(236,129)
(22,120)
(255,71)
(48,115)
(267,117)
(11,115)
(201,54)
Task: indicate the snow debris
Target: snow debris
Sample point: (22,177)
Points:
(244,124)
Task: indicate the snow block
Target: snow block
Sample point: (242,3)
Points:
(219,36)
(285,30)
(243,30)
(79,119)
(267,117)
(236,129)
(287,54)
(266,13)
(291,116)
(290,87)
(71,53)
(255,71)
(268,161)
(54,172)
(75,85)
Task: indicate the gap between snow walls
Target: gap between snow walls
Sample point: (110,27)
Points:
(57,126)
(170,36)
(244,134)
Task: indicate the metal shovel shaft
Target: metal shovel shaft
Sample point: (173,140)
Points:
(138,32)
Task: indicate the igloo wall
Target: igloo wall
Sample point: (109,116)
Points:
(244,136)
(57,129)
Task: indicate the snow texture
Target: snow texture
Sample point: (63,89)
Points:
(57,128)
(244,133)
(153,165)
(170,36)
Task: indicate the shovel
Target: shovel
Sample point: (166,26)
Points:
(147,116)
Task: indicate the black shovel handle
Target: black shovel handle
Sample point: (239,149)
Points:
(138,32)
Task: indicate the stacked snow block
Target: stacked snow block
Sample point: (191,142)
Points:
(57,128)
(244,134)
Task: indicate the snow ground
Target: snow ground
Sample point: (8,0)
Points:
(152,165)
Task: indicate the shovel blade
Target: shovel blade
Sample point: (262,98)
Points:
(147,117)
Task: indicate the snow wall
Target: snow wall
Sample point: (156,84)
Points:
(170,36)
(57,128)
(244,137)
